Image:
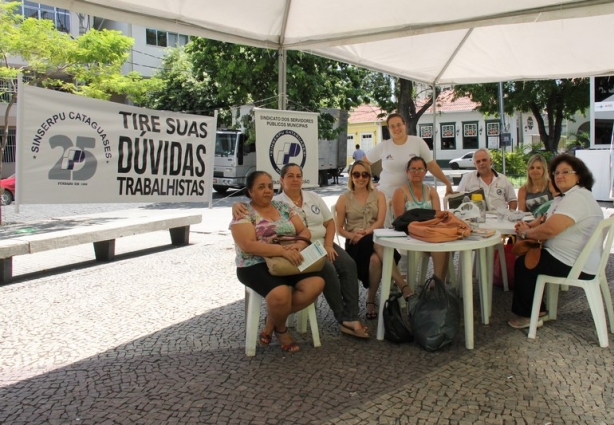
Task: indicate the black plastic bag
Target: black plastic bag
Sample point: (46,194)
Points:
(434,315)
(417,214)
(396,328)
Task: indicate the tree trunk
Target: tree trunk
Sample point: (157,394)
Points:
(407,107)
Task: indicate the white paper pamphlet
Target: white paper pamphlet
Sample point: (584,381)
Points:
(389,233)
(311,254)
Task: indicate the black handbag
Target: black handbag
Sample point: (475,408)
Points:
(434,315)
(417,214)
(396,327)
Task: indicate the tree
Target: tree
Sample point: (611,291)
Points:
(224,75)
(399,95)
(89,65)
(176,87)
(558,99)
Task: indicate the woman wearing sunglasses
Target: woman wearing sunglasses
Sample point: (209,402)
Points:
(339,272)
(415,194)
(569,223)
(360,211)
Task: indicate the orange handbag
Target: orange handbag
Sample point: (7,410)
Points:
(445,227)
(531,249)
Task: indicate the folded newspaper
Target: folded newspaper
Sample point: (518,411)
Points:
(311,254)
(479,232)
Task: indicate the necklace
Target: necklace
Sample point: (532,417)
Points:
(420,203)
(297,202)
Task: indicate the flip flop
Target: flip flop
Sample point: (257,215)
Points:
(358,333)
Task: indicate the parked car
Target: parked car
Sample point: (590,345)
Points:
(465,161)
(8,195)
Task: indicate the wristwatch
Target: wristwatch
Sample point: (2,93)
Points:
(523,235)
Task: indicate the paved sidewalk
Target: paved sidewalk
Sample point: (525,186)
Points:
(158,337)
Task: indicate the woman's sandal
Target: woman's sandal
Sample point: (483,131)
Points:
(293,347)
(371,315)
(265,338)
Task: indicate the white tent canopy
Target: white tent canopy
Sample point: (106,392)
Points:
(431,41)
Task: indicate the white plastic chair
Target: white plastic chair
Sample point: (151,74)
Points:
(596,290)
(253,301)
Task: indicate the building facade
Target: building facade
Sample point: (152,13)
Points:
(453,128)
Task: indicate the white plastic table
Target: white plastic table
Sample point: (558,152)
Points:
(464,247)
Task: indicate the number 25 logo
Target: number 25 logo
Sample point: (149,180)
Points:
(64,168)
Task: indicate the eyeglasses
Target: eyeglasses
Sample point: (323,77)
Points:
(417,170)
(364,175)
(564,173)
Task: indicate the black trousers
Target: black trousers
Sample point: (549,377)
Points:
(525,281)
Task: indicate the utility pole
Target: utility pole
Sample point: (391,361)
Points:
(502,128)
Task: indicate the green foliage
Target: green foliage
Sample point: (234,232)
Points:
(176,87)
(89,65)
(515,162)
(579,140)
(557,99)
(218,76)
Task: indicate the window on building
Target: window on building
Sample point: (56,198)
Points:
(59,17)
(470,135)
(426,133)
(385,133)
(492,134)
(448,136)
(165,39)
(366,141)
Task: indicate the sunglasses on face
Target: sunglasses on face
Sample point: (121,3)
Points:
(364,175)
(417,170)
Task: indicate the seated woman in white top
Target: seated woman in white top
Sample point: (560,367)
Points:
(568,224)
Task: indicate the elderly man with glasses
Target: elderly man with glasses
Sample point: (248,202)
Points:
(498,190)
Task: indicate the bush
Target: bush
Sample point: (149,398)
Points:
(515,163)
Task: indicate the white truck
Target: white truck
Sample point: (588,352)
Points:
(235,159)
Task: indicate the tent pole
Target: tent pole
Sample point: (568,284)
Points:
(502,129)
(281,81)
(434,131)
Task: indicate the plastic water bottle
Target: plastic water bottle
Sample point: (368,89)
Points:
(477,199)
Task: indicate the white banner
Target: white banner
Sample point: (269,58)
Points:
(287,136)
(604,106)
(73,149)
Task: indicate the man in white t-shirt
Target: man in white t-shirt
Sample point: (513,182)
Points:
(498,190)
